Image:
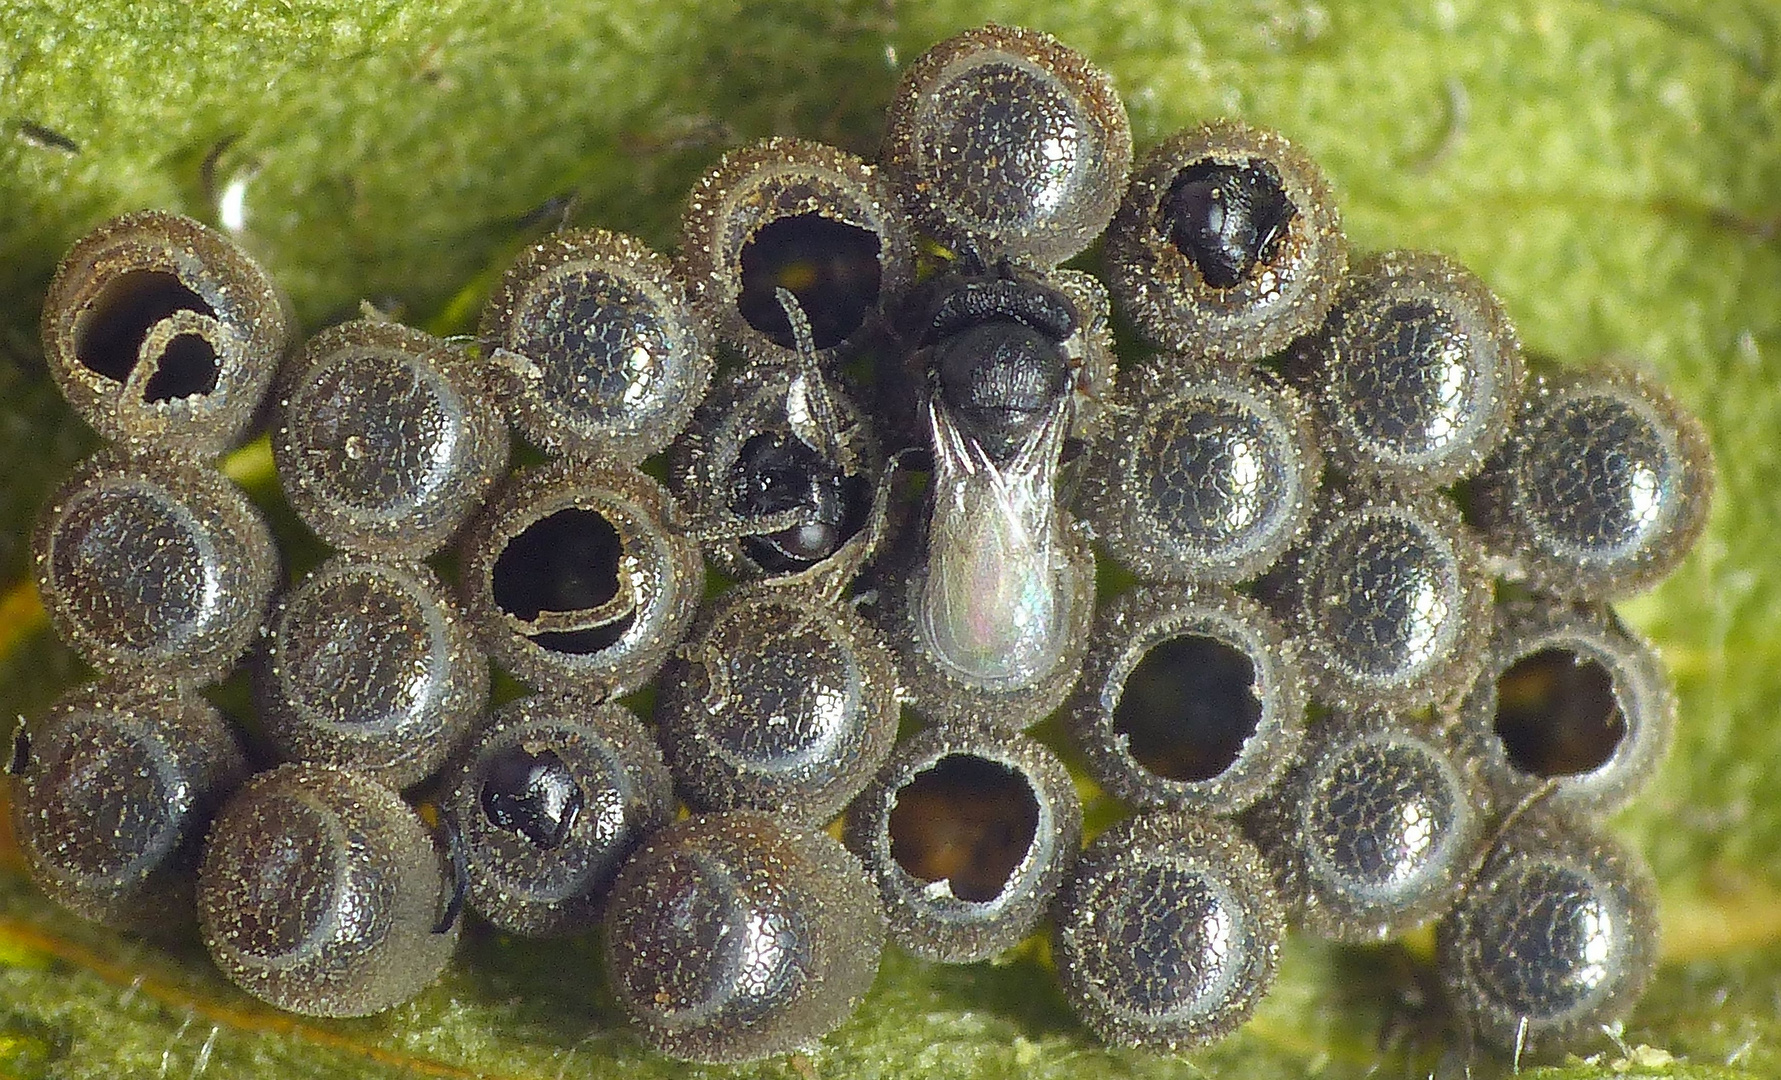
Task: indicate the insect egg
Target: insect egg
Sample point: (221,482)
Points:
(1376,830)
(968,832)
(577,576)
(1004,141)
(112,794)
(1601,488)
(1168,934)
(160,330)
(551,799)
(730,937)
(1570,700)
(1389,599)
(1417,370)
(369,665)
(385,441)
(1227,245)
(777,701)
(595,348)
(1191,698)
(321,893)
(817,221)
(154,564)
(1207,476)
(1555,939)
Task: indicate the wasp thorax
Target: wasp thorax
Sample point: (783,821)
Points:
(779,473)
(1226,218)
(532,794)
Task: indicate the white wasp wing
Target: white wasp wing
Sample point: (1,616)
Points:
(990,607)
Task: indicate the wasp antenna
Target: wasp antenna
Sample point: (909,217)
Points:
(453,835)
(816,388)
(21,748)
(728,526)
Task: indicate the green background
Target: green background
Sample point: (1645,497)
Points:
(1612,169)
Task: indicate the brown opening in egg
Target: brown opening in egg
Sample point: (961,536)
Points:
(563,576)
(1188,707)
(108,335)
(965,820)
(830,266)
(1557,714)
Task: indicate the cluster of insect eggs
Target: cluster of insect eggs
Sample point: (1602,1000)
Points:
(1309,697)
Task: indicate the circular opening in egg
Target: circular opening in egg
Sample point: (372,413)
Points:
(108,334)
(1557,714)
(967,821)
(1188,707)
(830,266)
(562,575)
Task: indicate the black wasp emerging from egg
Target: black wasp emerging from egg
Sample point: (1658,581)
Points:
(991,344)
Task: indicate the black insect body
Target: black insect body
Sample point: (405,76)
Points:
(550,800)
(534,795)
(1227,218)
(1001,601)
(779,473)
(1228,244)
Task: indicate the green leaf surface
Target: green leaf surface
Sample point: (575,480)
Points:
(1613,169)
